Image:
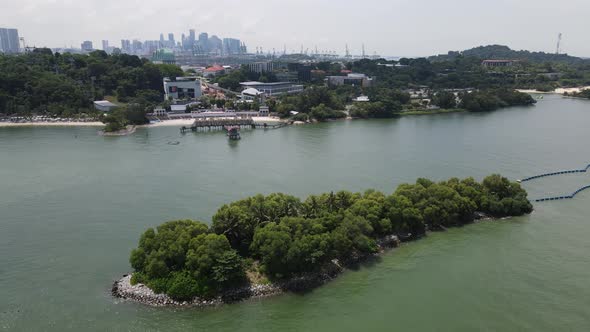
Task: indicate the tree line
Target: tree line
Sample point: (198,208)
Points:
(281,236)
(55,84)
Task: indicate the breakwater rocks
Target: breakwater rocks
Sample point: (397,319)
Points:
(123,132)
(122,288)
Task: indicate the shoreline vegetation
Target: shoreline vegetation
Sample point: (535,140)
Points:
(433,111)
(266,245)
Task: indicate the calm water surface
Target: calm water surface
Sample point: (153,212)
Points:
(73,204)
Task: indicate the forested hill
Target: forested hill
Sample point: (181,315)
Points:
(42,82)
(495,52)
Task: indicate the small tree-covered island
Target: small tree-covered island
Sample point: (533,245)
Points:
(264,245)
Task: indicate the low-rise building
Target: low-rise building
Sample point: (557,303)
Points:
(163,55)
(361,99)
(251,94)
(214,71)
(264,111)
(104,105)
(182,88)
(351,79)
(498,63)
(261,67)
(273,89)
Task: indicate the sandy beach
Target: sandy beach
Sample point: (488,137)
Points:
(556,91)
(165,123)
(189,122)
(52,124)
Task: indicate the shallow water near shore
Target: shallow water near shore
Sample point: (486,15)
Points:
(73,205)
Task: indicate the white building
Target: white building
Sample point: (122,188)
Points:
(361,99)
(351,79)
(104,105)
(273,89)
(182,88)
(251,94)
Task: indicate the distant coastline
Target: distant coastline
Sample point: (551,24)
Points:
(52,124)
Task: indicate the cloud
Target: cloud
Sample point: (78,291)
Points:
(389,27)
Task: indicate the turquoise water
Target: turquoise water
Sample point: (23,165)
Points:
(73,204)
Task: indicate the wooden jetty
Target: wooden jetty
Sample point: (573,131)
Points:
(221,124)
(218,124)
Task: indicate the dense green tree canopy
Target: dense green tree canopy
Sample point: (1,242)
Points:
(289,236)
(41,82)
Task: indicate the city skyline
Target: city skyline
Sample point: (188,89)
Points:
(398,27)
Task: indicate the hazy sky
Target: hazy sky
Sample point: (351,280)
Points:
(388,27)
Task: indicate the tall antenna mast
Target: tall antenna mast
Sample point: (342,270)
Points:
(558,44)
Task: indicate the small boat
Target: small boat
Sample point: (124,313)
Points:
(173,143)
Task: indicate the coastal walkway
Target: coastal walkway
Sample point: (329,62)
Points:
(555,198)
(218,124)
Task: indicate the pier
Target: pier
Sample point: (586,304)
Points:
(218,124)
(222,123)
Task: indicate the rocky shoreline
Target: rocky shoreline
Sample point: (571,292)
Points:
(140,293)
(123,132)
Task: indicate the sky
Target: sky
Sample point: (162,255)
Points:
(387,27)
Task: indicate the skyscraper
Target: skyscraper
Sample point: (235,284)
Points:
(9,41)
(86,45)
(125,46)
(191,38)
(204,42)
(105,45)
(215,44)
(136,46)
(231,46)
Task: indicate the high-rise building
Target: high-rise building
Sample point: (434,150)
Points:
(204,42)
(9,41)
(215,44)
(150,46)
(125,46)
(136,46)
(105,45)
(87,46)
(231,46)
(171,38)
(191,39)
